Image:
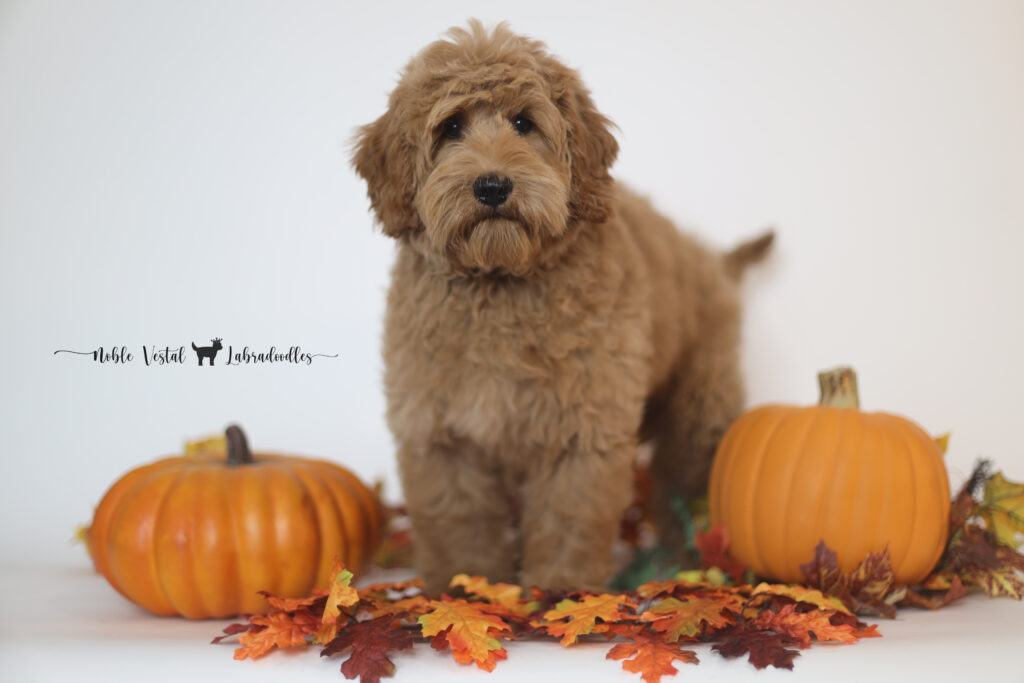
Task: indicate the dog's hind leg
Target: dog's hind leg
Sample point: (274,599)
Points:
(706,395)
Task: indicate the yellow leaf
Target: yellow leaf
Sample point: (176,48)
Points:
(341,595)
(504,594)
(82,536)
(705,577)
(214,444)
(801,594)
(942,441)
(1003,509)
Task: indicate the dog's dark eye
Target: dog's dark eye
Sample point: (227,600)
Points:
(522,124)
(451,129)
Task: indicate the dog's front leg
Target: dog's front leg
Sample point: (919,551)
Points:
(573,506)
(461,520)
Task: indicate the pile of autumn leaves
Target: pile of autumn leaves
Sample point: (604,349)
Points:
(474,617)
(767,623)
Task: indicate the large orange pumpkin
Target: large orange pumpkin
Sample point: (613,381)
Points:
(785,477)
(198,535)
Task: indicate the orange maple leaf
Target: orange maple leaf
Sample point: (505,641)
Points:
(340,595)
(282,630)
(684,618)
(650,656)
(802,625)
(582,616)
(469,631)
(289,604)
(416,605)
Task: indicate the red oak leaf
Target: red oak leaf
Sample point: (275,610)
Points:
(370,642)
(714,552)
(650,656)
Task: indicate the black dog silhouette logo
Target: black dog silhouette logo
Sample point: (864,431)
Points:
(207,351)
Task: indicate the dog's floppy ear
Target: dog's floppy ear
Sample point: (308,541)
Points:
(385,160)
(592,150)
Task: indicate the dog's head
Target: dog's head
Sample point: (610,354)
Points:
(490,153)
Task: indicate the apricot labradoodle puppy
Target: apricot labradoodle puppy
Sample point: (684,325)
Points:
(542,320)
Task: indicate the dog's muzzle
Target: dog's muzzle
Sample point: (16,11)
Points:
(492,190)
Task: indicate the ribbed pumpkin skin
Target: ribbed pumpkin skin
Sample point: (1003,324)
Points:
(786,477)
(195,537)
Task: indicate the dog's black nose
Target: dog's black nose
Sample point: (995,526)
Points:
(492,190)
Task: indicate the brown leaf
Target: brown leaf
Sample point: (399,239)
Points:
(975,552)
(964,504)
(865,590)
(1005,579)
(972,549)
(934,599)
(232,630)
(370,642)
(823,572)
(764,647)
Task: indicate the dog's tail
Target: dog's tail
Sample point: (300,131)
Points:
(194,347)
(750,252)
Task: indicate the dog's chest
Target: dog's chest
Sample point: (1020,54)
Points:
(491,363)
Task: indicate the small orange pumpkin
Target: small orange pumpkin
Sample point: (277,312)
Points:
(198,535)
(785,477)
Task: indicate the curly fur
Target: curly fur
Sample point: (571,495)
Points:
(531,346)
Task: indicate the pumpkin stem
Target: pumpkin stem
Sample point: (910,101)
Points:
(839,388)
(238,446)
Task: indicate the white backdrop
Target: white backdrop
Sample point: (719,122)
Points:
(175,171)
